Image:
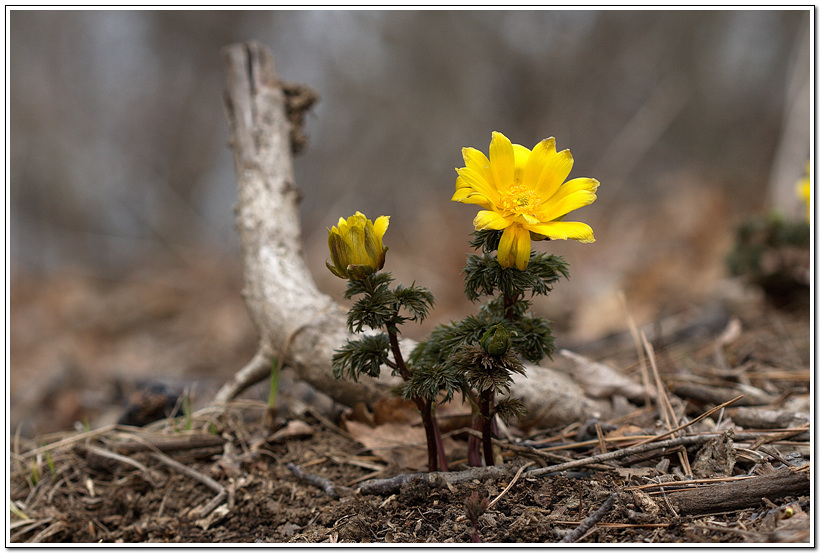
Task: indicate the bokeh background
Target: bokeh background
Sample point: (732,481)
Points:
(124,260)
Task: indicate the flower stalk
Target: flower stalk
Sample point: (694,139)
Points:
(358,254)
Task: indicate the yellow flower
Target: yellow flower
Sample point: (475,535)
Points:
(804,190)
(356,247)
(524,194)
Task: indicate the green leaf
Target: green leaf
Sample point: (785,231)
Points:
(428,381)
(487,240)
(417,300)
(485,277)
(361,356)
(374,310)
(487,372)
(510,407)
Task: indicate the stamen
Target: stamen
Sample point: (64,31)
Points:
(520,200)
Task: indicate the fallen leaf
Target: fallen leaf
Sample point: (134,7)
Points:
(401,444)
(294,429)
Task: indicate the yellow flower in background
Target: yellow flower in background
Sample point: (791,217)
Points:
(524,194)
(356,246)
(804,190)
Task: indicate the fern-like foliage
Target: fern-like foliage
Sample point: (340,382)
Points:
(446,339)
(428,380)
(484,275)
(380,306)
(416,300)
(483,371)
(364,355)
(486,240)
(510,407)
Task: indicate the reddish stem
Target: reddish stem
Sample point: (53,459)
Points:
(435,449)
(485,404)
(474,445)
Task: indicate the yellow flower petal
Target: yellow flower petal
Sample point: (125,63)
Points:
(477,161)
(472,178)
(570,196)
(522,155)
(380,225)
(490,220)
(467,196)
(556,168)
(563,230)
(502,161)
(514,248)
(537,160)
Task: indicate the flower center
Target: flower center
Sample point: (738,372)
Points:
(520,200)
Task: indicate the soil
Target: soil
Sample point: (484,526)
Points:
(95,486)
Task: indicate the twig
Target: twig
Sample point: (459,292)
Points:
(687,483)
(387,486)
(690,423)
(590,521)
(122,459)
(633,330)
(541,454)
(314,480)
(256,370)
(48,532)
(196,441)
(221,495)
(664,403)
(69,440)
(619,454)
(510,485)
(600,434)
(780,435)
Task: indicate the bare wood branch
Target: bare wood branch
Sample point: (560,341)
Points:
(278,289)
(314,480)
(591,521)
(621,453)
(741,494)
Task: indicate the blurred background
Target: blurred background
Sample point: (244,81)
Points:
(124,260)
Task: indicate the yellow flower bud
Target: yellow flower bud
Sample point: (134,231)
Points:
(356,247)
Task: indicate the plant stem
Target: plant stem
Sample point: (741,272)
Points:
(509,302)
(425,407)
(486,402)
(429,431)
(442,457)
(474,445)
(275,370)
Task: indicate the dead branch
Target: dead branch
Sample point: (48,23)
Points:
(280,294)
(314,480)
(387,486)
(591,520)
(278,289)
(621,453)
(740,494)
(194,441)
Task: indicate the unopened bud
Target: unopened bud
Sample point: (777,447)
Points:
(496,341)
